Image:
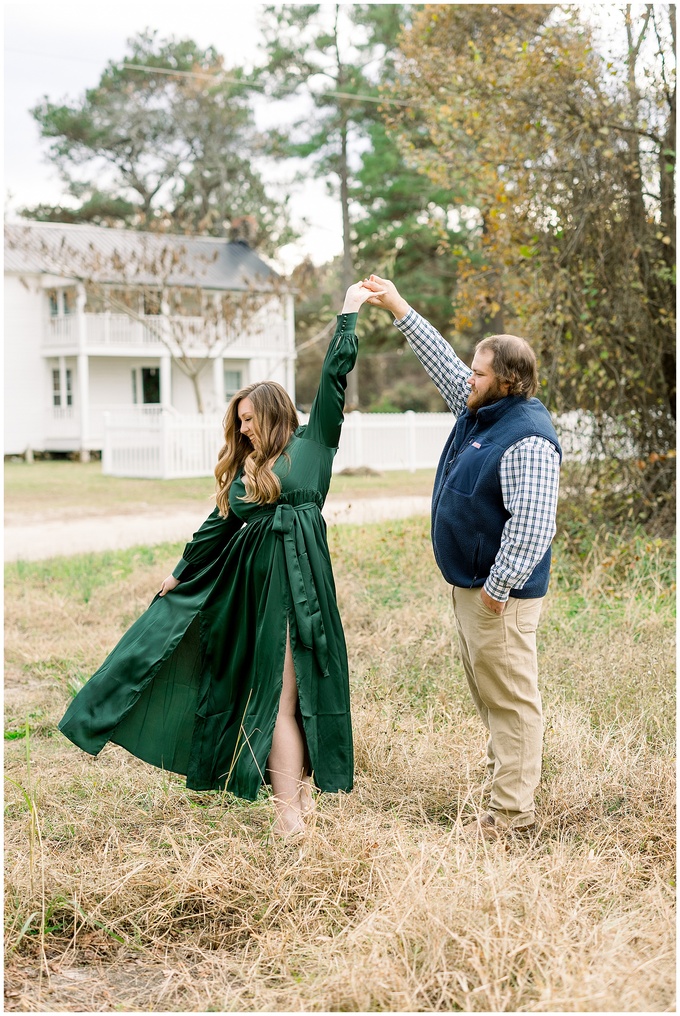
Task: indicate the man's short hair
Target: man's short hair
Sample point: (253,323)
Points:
(514,362)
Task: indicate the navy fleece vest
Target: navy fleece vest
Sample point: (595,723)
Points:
(468,514)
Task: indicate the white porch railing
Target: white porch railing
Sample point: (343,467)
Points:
(62,331)
(62,422)
(120,332)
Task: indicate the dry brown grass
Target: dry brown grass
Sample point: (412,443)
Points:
(125,892)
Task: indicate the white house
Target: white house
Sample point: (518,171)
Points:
(102,320)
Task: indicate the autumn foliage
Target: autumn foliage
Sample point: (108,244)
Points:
(564,156)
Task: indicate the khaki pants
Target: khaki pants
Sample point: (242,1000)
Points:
(499,657)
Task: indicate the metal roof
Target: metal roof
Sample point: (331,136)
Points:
(123,256)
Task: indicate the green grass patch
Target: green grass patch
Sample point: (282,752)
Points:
(60,485)
(79,576)
(55,488)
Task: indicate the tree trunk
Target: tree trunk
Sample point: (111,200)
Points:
(649,250)
(200,407)
(347,277)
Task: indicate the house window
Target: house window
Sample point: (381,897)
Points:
(62,387)
(232,383)
(152,301)
(146,381)
(124,301)
(95,302)
(69,298)
(186,302)
(151,385)
(53,298)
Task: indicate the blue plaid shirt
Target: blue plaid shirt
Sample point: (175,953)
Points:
(529,469)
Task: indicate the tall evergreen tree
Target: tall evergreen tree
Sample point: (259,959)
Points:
(319,51)
(394,220)
(165,141)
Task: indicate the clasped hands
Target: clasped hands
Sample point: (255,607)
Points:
(376,291)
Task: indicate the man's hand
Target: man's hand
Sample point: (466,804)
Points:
(498,606)
(356,296)
(385,295)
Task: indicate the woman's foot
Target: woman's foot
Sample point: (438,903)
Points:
(307,802)
(287,826)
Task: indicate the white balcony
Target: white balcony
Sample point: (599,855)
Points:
(116,333)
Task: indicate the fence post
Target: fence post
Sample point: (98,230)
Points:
(358,424)
(107,458)
(411,426)
(164,448)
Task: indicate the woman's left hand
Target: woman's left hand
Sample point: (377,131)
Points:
(355,297)
(168,585)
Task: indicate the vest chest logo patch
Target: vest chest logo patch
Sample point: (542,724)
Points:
(476,444)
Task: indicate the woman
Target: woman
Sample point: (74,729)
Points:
(238,669)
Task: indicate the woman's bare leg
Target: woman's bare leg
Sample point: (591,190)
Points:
(287,756)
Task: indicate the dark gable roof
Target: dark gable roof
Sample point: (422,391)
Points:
(122,256)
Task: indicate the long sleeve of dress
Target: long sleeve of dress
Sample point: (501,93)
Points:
(325,416)
(207,543)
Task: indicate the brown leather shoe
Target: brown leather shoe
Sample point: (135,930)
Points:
(488,828)
(483,828)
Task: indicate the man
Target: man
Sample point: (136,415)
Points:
(493,520)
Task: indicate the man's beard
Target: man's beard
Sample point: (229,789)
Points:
(475,401)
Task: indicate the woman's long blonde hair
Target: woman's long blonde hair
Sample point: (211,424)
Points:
(275,420)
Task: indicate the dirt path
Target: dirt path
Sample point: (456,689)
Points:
(46,537)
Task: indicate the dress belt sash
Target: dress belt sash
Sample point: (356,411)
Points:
(300,578)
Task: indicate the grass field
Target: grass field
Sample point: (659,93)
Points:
(126,892)
(63,489)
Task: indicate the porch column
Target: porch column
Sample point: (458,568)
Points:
(166,379)
(83,374)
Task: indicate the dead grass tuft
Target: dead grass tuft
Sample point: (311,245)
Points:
(125,891)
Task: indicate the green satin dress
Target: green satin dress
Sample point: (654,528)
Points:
(194,685)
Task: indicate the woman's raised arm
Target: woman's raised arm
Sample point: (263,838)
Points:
(326,414)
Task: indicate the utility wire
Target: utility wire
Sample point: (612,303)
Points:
(220,77)
(210,75)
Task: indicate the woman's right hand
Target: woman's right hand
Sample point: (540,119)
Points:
(168,585)
(355,297)
(384,294)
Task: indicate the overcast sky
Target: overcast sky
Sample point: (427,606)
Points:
(60,49)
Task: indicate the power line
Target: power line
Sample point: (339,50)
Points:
(239,81)
(210,75)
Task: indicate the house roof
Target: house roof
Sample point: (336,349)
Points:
(123,256)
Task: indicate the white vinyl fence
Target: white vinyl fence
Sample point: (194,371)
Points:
(168,445)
